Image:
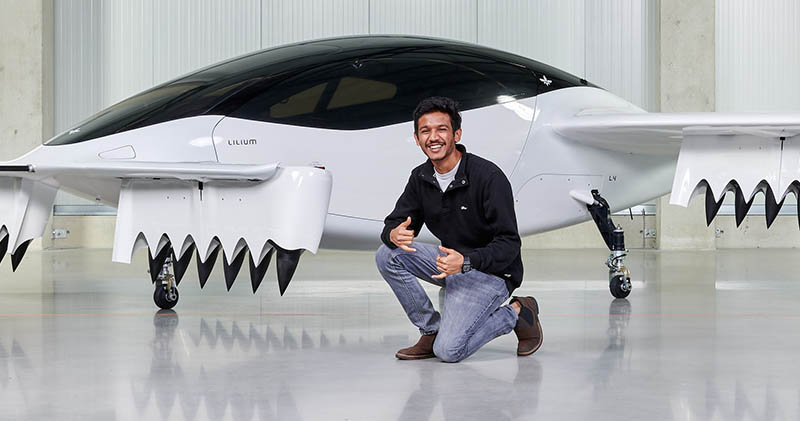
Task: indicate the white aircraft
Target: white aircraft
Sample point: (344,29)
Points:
(308,145)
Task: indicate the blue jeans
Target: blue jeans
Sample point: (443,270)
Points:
(472,314)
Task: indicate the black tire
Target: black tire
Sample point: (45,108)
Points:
(615,285)
(161,300)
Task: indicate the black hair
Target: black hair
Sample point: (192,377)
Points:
(441,104)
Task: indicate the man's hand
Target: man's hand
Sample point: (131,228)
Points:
(449,264)
(402,237)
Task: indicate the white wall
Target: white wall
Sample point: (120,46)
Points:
(286,21)
(622,49)
(758,58)
(758,62)
(553,32)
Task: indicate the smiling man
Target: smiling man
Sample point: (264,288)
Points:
(467,203)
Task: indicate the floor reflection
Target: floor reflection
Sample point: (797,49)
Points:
(219,391)
(14,364)
(709,336)
(459,391)
(612,357)
(484,397)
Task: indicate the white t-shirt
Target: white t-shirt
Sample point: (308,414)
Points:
(446,178)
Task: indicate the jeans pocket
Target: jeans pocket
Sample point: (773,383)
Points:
(499,285)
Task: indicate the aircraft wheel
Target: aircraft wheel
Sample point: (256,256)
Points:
(163,299)
(620,286)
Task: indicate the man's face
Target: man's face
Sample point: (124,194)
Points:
(435,135)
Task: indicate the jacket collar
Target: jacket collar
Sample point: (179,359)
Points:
(427,172)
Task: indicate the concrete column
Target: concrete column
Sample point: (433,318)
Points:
(26,77)
(687,84)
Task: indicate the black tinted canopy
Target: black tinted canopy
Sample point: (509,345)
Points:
(345,83)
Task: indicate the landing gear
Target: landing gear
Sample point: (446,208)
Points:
(619,284)
(619,278)
(166,292)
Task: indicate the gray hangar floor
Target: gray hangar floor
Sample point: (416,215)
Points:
(704,335)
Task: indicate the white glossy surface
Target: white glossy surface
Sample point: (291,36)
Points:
(746,159)
(619,130)
(704,335)
(553,163)
(289,209)
(569,139)
(187,171)
(182,140)
(373,163)
(26,207)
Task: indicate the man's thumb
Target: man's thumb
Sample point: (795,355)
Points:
(407,222)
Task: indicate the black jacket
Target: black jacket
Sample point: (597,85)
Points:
(474,216)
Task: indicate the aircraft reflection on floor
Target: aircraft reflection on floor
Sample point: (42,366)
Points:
(168,383)
(690,345)
(254,339)
(213,393)
(217,393)
(612,358)
(195,386)
(16,367)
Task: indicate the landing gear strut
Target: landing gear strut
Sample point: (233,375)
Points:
(166,292)
(619,278)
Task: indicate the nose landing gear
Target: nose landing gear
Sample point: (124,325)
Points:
(619,278)
(166,292)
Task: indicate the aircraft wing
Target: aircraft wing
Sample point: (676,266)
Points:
(745,153)
(663,133)
(181,209)
(197,171)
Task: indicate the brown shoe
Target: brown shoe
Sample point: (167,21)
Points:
(528,328)
(421,350)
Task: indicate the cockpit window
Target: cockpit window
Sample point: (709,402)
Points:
(347,83)
(195,94)
(125,114)
(357,91)
(384,89)
(304,102)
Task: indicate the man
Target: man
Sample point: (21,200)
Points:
(467,203)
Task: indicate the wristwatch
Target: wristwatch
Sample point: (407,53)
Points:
(467,266)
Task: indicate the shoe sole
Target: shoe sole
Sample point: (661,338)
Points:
(539,325)
(400,356)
